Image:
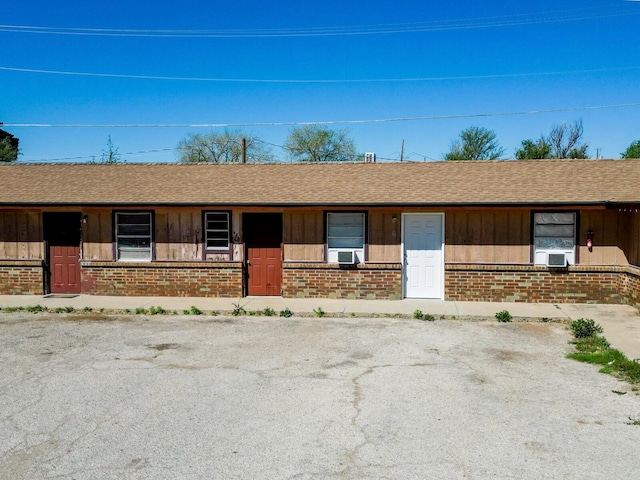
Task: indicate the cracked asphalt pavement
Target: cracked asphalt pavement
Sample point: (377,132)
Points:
(270,398)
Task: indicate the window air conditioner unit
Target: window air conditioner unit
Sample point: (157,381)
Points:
(346,257)
(557,260)
(370,157)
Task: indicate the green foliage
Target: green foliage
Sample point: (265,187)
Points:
(427,317)
(238,309)
(534,150)
(9,150)
(157,311)
(69,309)
(195,310)
(315,143)
(11,309)
(111,154)
(583,328)
(269,312)
(87,309)
(127,310)
(140,311)
(632,151)
(319,312)
(504,316)
(286,313)
(475,143)
(36,309)
(223,147)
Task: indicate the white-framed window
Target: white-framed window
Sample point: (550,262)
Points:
(133,235)
(346,232)
(217,228)
(554,232)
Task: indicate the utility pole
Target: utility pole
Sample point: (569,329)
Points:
(402,151)
(244,150)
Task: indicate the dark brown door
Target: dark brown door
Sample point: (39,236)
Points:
(263,241)
(62,236)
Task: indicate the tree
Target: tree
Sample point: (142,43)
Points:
(111,154)
(315,143)
(223,147)
(565,141)
(531,149)
(475,143)
(9,150)
(632,151)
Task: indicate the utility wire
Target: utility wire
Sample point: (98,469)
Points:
(375,29)
(331,122)
(364,80)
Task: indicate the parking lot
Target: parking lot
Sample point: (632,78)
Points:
(261,397)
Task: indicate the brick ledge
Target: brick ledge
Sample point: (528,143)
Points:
(336,266)
(541,268)
(212,265)
(21,263)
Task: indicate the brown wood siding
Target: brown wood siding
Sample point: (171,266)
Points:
(634,239)
(611,236)
(303,236)
(178,235)
(384,237)
(21,235)
(495,236)
(97,235)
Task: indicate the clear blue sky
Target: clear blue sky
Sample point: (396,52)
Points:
(472,58)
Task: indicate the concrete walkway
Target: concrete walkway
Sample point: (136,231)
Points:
(621,323)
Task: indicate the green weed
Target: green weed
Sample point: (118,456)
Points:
(583,328)
(286,313)
(269,312)
(319,312)
(238,309)
(504,316)
(195,310)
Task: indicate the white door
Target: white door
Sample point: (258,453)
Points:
(423,255)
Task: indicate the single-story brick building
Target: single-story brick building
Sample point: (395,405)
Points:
(538,230)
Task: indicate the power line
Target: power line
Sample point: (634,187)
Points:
(330,122)
(375,29)
(364,80)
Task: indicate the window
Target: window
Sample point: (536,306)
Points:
(133,236)
(345,232)
(554,232)
(216,231)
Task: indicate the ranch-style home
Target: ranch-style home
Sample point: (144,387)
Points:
(527,230)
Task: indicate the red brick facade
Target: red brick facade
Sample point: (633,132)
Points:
(21,277)
(328,280)
(526,283)
(630,286)
(204,279)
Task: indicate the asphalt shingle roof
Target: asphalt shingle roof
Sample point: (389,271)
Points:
(516,182)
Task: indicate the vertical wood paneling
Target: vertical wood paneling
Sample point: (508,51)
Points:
(610,237)
(21,235)
(178,235)
(97,235)
(487,237)
(303,236)
(236,237)
(384,237)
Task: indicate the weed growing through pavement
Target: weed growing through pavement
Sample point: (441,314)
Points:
(504,316)
(593,348)
(286,313)
(269,312)
(238,309)
(319,312)
(427,317)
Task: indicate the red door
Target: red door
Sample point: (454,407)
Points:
(263,240)
(65,269)
(62,236)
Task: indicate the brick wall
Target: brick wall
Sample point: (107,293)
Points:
(495,283)
(630,286)
(163,279)
(329,280)
(21,278)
